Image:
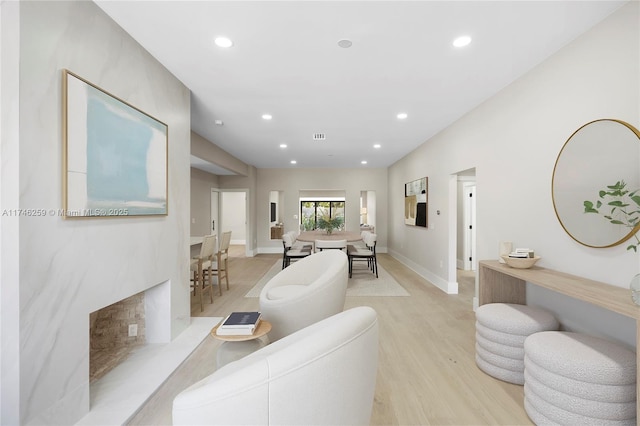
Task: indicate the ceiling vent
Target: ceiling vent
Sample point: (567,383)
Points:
(319,136)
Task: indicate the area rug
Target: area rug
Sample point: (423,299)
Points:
(363,282)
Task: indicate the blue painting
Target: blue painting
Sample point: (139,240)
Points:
(116,155)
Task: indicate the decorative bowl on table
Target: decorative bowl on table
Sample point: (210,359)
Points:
(521,262)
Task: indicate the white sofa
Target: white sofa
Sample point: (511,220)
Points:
(311,289)
(323,374)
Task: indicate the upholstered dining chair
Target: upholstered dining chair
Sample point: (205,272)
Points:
(367,254)
(220,267)
(360,243)
(290,252)
(330,244)
(201,269)
(297,244)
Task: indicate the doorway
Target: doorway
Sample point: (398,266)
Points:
(233,215)
(462,227)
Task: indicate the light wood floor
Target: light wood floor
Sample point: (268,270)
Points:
(426,375)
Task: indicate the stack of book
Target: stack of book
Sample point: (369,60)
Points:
(521,253)
(239,324)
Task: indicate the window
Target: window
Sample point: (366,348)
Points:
(312,211)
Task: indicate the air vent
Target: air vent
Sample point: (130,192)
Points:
(319,136)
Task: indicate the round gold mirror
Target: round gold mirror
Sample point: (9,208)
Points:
(596,184)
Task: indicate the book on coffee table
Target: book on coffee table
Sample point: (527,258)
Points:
(239,324)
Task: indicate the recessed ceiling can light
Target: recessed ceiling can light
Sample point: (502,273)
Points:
(294,162)
(462,41)
(219,123)
(344,43)
(363,162)
(267,116)
(283,145)
(402,116)
(223,42)
(377,146)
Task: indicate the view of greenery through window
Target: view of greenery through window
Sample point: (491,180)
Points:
(312,211)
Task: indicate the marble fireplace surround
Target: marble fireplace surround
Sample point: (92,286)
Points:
(119,394)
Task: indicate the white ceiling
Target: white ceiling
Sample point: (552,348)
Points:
(286,62)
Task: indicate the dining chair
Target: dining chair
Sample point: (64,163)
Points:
(220,266)
(367,254)
(201,269)
(290,252)
(330,244)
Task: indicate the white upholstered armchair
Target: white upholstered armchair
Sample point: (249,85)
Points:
(311,289)
(324,374)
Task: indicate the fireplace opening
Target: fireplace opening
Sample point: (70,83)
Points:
(115,331)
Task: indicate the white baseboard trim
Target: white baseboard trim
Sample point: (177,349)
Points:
(444,285)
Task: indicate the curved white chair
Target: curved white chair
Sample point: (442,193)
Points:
(324,374)
(311,289)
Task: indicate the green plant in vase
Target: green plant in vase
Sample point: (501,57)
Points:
(330,223)
(619,206)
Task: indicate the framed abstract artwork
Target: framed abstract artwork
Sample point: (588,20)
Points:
(115,155)
(415,202)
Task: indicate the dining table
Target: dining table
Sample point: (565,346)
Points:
(319,234)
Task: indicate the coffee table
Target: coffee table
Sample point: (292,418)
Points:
(263,328)
(235,347)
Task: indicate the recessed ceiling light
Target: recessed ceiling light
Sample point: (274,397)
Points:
(267,116)
(377,146)
(219,123)
(223,42)
(283,145)
(294,162)
(344,43)
(402,116)
(462,41)
(363,162)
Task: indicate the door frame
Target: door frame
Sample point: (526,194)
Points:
(469,214)
(214,213)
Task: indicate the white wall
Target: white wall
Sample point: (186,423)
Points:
(513,140)
(69,268)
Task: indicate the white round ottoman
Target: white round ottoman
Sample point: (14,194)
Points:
(501,329)
(574,378)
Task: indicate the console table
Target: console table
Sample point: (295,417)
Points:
(499,283)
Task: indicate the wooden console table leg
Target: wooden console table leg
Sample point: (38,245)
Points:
(496,287)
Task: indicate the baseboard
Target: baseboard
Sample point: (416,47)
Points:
(444,285)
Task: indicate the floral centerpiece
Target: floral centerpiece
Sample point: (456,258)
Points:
(330,223)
